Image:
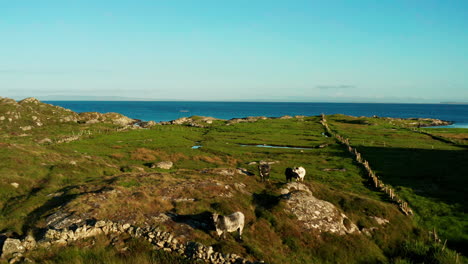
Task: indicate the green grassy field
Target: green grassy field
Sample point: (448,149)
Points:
(427,172)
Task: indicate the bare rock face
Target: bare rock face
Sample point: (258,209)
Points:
(62,219)
(315,213)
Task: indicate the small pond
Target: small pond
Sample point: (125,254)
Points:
(272,146)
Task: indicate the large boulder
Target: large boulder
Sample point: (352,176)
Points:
(167,165)
(61,219)
(11,246)
(313,213)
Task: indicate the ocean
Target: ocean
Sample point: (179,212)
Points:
(166,111)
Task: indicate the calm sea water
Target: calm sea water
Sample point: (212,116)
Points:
(165,111)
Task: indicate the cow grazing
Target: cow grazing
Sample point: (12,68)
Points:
(229,223)
(264,170)
(290,174)
(297,173)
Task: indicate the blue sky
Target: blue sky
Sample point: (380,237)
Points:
(339,51)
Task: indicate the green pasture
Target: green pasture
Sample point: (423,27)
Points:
(426,172)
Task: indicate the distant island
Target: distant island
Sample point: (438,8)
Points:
(461,103)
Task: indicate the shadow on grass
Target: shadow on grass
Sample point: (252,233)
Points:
(438,180)
(355,122)
(265,200)
(202,221)
(431,173)
(54,202)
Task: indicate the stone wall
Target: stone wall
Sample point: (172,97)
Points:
(378,183)
(13,249)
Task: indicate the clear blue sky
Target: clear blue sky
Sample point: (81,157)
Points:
(372,51)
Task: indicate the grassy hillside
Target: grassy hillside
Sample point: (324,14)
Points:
(106,172)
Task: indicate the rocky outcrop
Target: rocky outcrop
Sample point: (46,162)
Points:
(29,100)
(62,219)
(249,119)
(315,214)
(148,124)
(418,122)
(423,122)
(30,113)
(160,240)
(194,121)
(114,118)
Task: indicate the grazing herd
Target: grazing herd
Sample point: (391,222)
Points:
(297,173)
(236,221)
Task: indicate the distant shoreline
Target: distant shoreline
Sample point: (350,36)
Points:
(246,101)
(457,103)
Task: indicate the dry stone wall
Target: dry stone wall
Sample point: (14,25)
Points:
(378,183)
(13,249)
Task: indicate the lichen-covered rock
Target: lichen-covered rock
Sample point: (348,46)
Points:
(315,214)
(11,246)
(61,219)
(29,242)
(164,165)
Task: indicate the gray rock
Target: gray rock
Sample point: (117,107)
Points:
(165,165)
(29,242)
(315,213)
(11,246)
(100,223)
(45,141)
(61,219)
(125,226)
(147,124)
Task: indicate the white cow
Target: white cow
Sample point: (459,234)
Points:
(300,171)
(229,223)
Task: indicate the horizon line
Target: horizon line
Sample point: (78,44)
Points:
(252,101)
